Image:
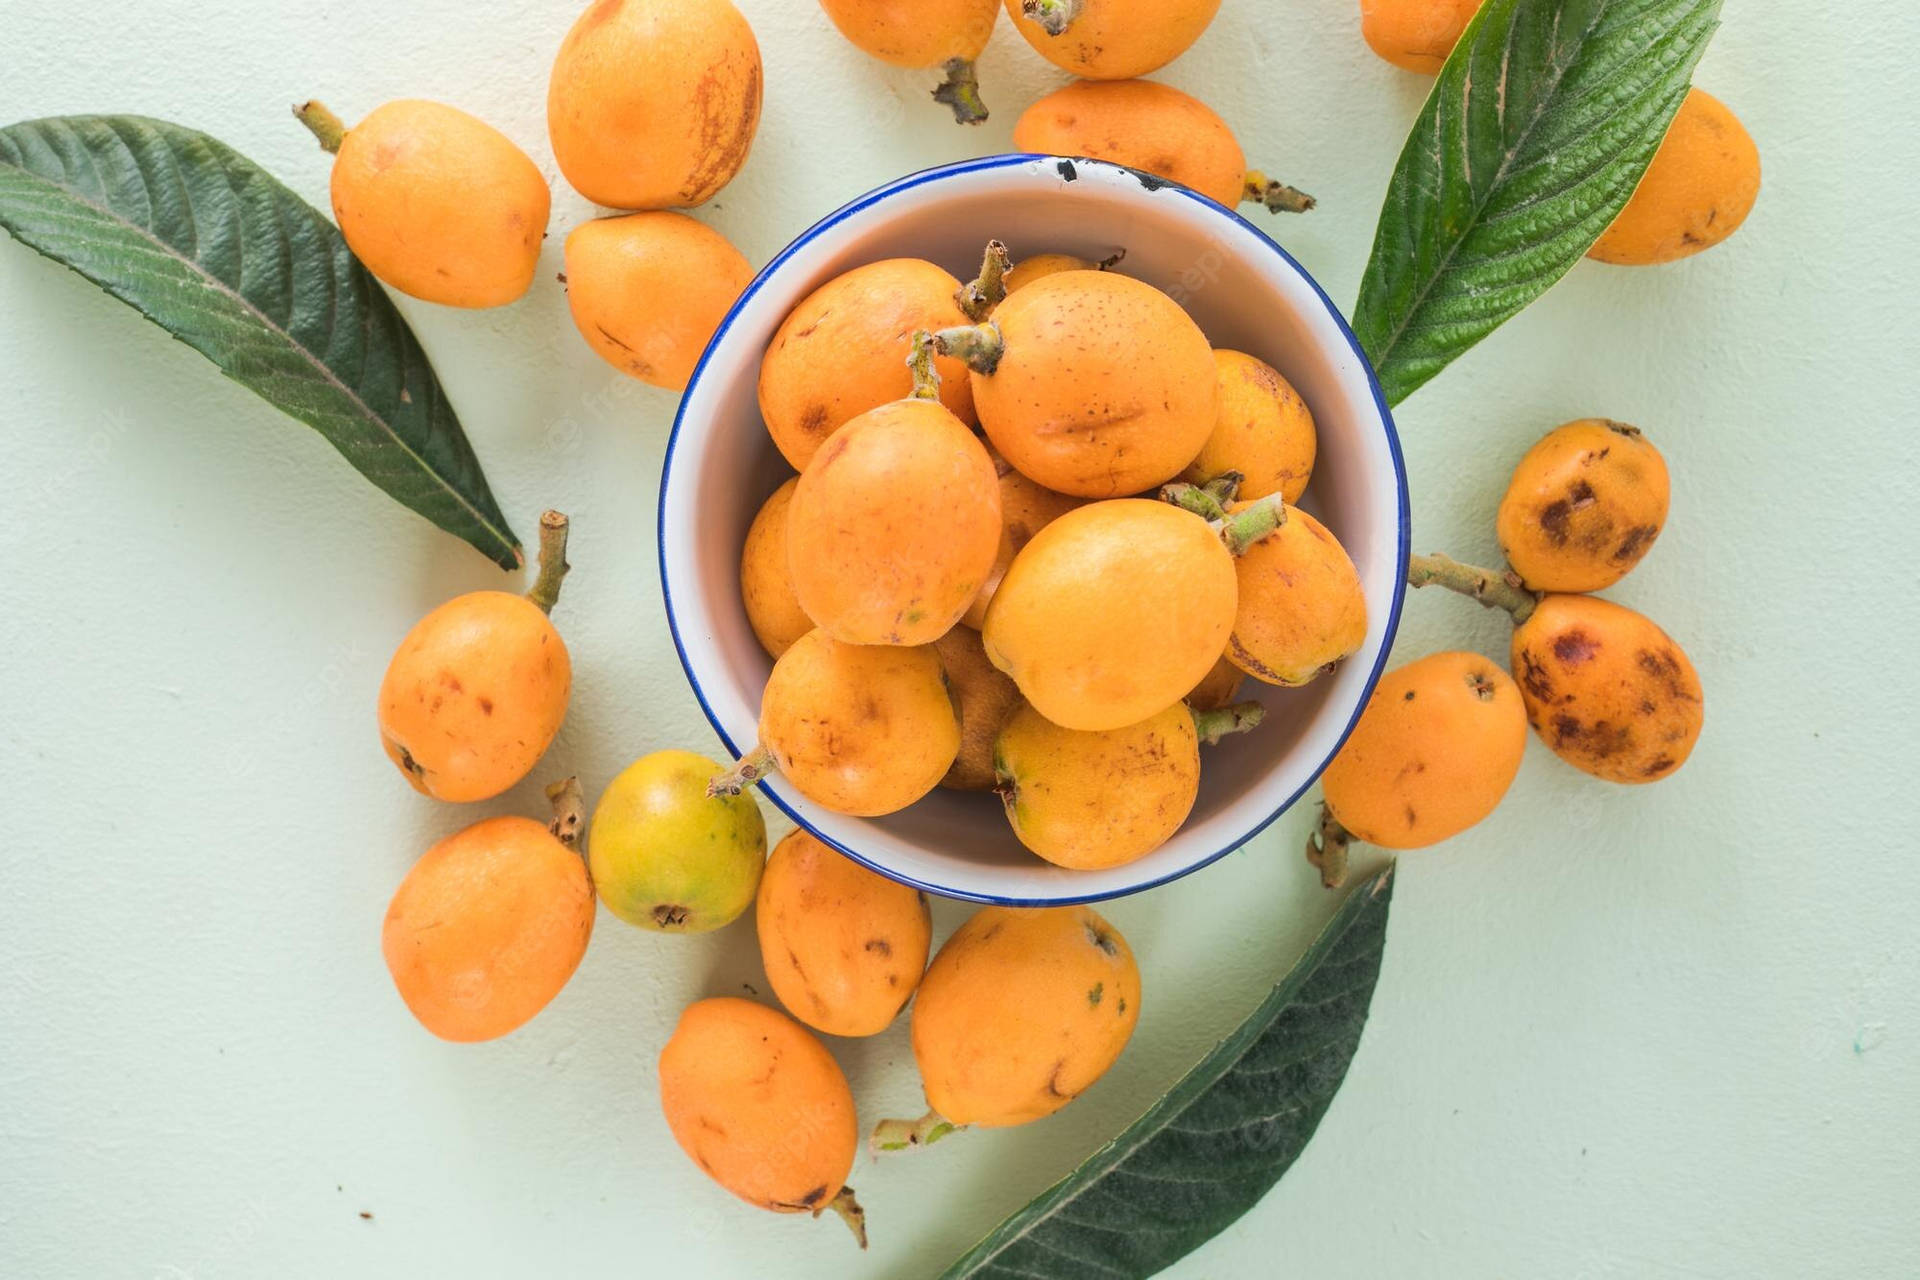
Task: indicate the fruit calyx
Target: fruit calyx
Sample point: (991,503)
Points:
(1238,529)
(1492,589)
(747,771)
(1053,16)
(926,378)
(1215,724)
(1278,197)
(545,591)
(960,93)
(322,123)
(1327,849)
(569,812)
(900,1135)
(980,346)
(979,296)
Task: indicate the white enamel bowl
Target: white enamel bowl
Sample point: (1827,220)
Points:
(1244,291)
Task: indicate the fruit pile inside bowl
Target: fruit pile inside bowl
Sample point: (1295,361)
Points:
(1000,535)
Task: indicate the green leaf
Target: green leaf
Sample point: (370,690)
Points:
(1207,1151)
(1537,131)
(220,254)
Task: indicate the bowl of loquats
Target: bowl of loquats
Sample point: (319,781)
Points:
(971,578)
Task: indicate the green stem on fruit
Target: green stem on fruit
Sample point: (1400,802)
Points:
(1225,487)
(1238,529)
(1278,197)
(747,771)
(1242,528)
(322,123)
(1492,589)
(1217,723)
(980,296)
(545,590)
(899,1135)
(960,92)
(1201,501)
(1054,16)
(1327,849)
(980,346)
(569,812)
(926,378)
(849,1212)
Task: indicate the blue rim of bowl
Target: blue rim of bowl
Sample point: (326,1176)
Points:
(1010,160)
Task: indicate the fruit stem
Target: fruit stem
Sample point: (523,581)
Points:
(850,1212)
(545,590)
(569,811)
(960,91)
(1225,487)
(979,297)
(1277,196)
(1217,723)
(750,768)
(1242,528)
(1494,590)
(1327,849)
(926,378)
(979,345)
(323,124)
(1203,502)
(899,1135)
(1054,16)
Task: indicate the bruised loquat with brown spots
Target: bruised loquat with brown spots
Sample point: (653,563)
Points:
(1583,506)
(1607,689)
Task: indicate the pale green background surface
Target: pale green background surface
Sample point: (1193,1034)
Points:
(1669,1031)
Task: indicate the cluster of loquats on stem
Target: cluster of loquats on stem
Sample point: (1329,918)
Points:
(1605,688)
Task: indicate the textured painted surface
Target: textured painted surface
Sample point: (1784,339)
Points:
(1654,1032)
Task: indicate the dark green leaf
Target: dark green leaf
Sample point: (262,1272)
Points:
(1536,132)
(220,254)
(1221,1137)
